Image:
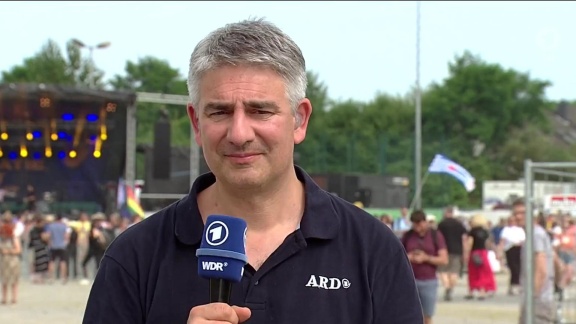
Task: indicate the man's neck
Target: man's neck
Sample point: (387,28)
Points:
(277,205)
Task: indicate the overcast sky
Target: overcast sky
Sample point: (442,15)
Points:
(357,48)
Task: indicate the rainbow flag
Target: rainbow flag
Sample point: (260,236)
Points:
(128,204)
(132,203)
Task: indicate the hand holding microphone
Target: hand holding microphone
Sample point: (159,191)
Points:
(221,259)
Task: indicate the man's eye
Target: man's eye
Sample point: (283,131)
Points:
(217,113)
(262,112)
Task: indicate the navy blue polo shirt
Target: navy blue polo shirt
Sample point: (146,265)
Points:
(341,266)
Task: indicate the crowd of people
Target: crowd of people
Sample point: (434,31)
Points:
(441,253)
(50,247)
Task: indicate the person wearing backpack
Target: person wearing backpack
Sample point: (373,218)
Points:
(426,249)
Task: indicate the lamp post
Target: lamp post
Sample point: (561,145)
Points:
(418,119)
(91,49)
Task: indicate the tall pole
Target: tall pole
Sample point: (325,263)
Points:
(92,80)
(91,48)
(418,118)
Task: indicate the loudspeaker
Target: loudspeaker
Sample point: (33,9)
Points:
(162,147)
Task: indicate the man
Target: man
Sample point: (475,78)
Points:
(312,257)
(544,258)
(454,233)
(58,236)
(426,251)
(401,224)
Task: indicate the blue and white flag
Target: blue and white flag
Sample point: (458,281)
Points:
(441,164)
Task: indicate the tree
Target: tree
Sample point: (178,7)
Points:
(482,102)
(51,67)
(150,74)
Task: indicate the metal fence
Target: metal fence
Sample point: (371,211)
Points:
(567,305)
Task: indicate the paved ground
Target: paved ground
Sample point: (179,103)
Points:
(64,304)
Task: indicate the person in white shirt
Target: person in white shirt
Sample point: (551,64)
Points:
(511,240)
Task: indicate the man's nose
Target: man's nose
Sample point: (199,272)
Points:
(240,131)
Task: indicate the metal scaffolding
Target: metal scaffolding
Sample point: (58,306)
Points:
(530,169)
(130,168)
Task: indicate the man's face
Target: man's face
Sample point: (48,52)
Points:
(245,125)
(404,212)
(420,227)
(519,212)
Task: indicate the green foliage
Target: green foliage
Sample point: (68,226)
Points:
(51,67)
(483,116)
(151,74)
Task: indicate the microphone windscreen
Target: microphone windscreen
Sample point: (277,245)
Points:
(222,253)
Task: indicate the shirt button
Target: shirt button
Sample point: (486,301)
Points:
(256,283)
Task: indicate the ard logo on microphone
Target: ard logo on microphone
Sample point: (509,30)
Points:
(216,233)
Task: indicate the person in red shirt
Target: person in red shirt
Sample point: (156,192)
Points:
(426,250)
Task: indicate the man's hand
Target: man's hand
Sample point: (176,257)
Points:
(417,256)
(218,312)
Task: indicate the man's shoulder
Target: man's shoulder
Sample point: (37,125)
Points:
(370,232)
(145,236)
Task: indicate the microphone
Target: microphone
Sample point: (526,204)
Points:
(222,255)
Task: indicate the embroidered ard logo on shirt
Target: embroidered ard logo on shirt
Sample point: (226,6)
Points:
(327,283)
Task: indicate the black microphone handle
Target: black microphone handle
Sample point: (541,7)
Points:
(220,290)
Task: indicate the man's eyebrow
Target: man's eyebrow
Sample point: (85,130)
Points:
(211,106)
(261,104)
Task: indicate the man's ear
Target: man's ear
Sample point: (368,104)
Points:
(193,115)
(301,118)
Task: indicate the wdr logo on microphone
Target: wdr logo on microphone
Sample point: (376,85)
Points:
(216,233)
(214,266)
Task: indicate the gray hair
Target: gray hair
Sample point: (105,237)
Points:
(250,42)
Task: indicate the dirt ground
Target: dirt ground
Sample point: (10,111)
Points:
(64,304)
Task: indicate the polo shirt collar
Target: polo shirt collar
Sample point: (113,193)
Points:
(320,219)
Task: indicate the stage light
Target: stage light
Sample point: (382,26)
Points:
(29,136)
(23,151)
(67,117)
(37,134)
(61,155)
(63,135)
(48,152)
(91,117)
(54,136)
(93,137)
(12,155)
(1,153)
(103,136)
(98,148)
(4,136)
(37,155)
(72,154)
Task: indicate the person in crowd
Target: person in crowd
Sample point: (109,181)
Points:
(10,250)
(454,233)
(481,278)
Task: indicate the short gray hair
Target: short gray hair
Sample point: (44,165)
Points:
(250,42)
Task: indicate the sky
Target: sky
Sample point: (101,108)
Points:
(358,49)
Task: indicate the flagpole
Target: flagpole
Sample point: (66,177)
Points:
(418,119)
(419,191)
